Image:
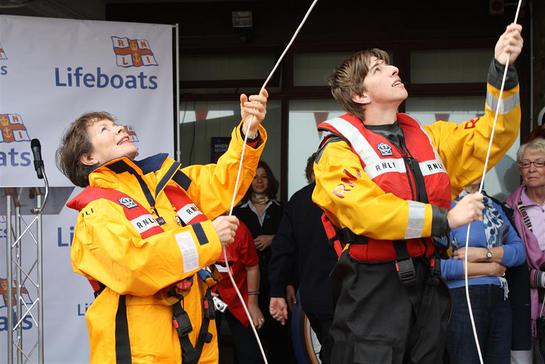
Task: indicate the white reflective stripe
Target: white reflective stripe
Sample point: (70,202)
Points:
(324,134)
(508,103)
(415,225)
(190,254)
(431,167)
(188,212)
(385,166)
(144,223)
(358,142)
(221,268)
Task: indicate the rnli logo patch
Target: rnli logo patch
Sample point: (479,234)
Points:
(127,202)
(384,149)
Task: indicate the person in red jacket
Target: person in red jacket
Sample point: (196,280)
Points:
(244,265)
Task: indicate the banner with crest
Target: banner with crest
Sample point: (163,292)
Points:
(51,72)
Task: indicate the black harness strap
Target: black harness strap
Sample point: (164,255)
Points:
(122,342)
(191,354)
(404,264)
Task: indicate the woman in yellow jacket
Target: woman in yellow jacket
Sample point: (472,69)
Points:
(144,231)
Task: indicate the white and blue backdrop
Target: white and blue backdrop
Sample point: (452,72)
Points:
(52,71)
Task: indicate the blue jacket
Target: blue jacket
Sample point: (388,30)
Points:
(452,270)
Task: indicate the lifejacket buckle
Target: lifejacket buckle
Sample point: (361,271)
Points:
(182,323)
(406,271)
(219,305)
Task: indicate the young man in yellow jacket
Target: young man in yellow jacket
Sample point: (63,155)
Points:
(144,234)
(385,185)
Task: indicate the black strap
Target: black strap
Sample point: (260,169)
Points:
(404,264)
(122,342)
(168,175)
(191,354)
(347,236)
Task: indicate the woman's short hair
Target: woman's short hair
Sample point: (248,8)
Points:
(537,144)
(74,144)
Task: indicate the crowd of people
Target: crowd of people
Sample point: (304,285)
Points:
(375,244)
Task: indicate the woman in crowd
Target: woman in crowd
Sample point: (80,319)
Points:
(528,203)
(493,246)
(144,235)
(244,266)
(261,212)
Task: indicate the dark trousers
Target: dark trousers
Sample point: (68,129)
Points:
(246,347)
(276,339)
(321,324)
(375,319)
(492,316)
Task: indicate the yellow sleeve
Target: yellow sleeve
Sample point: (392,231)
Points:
(463,146)
(351,199)
(109,249)
(213,185)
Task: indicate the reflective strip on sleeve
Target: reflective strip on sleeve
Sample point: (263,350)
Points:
(190,254)
(415,225)
(507,104)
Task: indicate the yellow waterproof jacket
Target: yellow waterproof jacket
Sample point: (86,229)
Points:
(367,210)
(108,248)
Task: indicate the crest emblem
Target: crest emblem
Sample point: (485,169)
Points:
(384,149)
(127,202)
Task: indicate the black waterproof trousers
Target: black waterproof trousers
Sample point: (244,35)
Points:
(378,320)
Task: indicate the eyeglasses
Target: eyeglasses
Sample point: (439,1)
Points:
(527,164)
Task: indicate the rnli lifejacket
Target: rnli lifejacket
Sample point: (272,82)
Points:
(186,213)
(413,172)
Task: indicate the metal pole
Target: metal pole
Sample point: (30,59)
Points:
(19,262)
(177,88)
(40,279)
(9,304)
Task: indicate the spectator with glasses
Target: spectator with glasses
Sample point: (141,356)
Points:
(528,203)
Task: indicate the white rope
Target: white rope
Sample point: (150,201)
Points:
(246,132)
(498,106)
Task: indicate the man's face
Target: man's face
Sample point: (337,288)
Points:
(532,175)
(382,85)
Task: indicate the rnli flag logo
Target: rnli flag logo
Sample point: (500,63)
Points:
(133,52)
(132,134)
(384,149)
(12,129)
(4,293)
(3,55)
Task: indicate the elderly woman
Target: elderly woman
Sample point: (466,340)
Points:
(528,202)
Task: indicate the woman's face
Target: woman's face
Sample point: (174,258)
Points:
(110,141)
(260,182)
(532,175)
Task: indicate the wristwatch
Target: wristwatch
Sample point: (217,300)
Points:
(488,254)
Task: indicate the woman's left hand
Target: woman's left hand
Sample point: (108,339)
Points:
(262,242)
(253,111)
(474,254)
(256,315)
